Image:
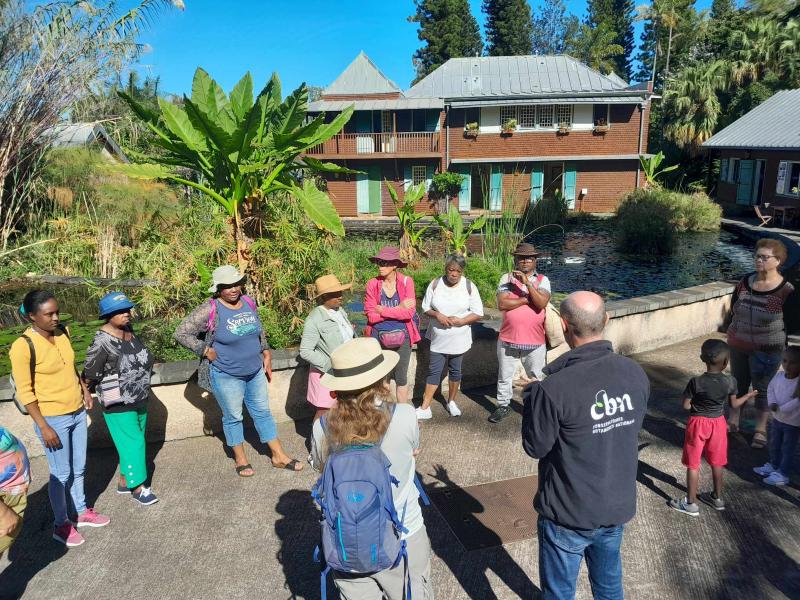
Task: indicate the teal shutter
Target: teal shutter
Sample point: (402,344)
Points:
(537,182)
(569,184)
(723,169)
(362,193)
(744,189)
(406,177)
(374,189)
(496,188)
(429,176)
(465,195)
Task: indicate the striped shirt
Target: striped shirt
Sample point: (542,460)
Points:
(757,317)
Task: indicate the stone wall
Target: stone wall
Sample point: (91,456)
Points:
(179,409)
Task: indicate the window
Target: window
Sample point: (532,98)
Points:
(527,116)
(564,114)
(544,115)
(600,115)
(386,121)
(788,178)
(419,174)
(506,113)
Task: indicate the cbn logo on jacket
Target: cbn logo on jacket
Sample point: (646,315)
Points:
(604,408)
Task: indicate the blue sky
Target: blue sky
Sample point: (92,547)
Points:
(308,40)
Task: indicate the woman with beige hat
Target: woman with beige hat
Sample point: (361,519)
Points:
(326,328)
(235,365)
(364,415)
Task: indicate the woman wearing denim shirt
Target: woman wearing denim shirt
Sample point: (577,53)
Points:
(235,365)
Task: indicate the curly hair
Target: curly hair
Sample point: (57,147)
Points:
(360,416)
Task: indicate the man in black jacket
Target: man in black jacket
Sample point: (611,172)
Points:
(582,422)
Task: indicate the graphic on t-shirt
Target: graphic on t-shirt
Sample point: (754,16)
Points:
(605,407)
(241,324)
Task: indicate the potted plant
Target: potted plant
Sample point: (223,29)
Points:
(471,129)
(600,126)
(509,126)
(564,127)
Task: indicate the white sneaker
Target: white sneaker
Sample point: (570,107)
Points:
(765,470)
(452,407)
(424,414)
(776,478)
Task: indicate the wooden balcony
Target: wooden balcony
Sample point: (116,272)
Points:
(379,145)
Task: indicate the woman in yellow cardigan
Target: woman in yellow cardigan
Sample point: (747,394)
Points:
(55,398)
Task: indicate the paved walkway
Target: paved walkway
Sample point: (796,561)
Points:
(214,535)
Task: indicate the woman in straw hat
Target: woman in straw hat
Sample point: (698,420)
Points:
(391,306)
(235,365)
(363,415)
(326,328)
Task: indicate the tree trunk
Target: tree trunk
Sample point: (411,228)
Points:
(669,50)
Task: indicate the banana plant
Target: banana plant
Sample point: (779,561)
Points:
(241,149)
(406,209)
(454,232)
(650,168)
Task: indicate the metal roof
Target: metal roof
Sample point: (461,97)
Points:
(70,135)
(772,125)
(395,104)
(632,98)
(361,76)
(565,158)
(504,76)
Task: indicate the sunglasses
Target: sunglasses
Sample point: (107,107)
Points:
(385,263)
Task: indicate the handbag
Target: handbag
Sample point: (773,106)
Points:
(109,392)
(392,339)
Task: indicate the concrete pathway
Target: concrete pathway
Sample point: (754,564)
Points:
(214,535)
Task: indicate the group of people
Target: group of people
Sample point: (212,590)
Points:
(581,419)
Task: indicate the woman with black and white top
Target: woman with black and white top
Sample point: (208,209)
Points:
(454,304)
(118,366)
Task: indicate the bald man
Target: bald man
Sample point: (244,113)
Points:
(582,422)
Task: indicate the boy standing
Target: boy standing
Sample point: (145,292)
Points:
(707,431)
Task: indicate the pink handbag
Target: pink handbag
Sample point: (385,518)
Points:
(392,339)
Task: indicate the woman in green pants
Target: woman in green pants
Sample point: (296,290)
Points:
(118,367)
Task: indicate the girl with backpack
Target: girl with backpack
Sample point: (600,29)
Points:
(47,385)
(118,366)
(454,304)
(235,365)
(391,307)
(360,438)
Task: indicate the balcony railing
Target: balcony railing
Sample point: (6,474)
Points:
(406,142)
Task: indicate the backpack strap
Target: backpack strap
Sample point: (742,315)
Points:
(29,341)
(212,316)
(249,301)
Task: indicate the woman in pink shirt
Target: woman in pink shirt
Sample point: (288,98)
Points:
(391,306)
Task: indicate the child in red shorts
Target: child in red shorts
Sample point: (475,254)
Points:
(707,431)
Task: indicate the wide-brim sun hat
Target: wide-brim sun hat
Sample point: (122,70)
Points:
(327,284)
(389,253)
(358,364)
(114,302)
(224,275)
(525,249)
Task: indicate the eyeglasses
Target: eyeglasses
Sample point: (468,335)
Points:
(764,257)
(525,258)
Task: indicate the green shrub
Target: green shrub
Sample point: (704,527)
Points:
(648,220)
(547,211)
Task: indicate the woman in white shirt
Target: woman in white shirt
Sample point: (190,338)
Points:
(453,303)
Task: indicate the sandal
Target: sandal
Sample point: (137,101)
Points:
(241,468)
(759,439)
(290,466)
(733,428)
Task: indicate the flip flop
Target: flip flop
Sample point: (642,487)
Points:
(290,466)
(759,439)
(240,468)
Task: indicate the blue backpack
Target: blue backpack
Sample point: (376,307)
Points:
(360,526)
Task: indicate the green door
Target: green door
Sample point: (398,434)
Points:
(570,179)
(374,172)
(744,189)
(465,195)
(496,188)
(537,182)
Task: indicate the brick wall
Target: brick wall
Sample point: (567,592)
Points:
(725,192)
(606,182)
(621,138)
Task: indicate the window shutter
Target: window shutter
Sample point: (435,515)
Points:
(745,188)
(723,169)
(783,172)
(537,182)
(406,177)
(496,189)
(428,177)
(465,194)
(570,178)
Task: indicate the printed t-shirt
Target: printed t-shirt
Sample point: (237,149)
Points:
(523,327)
(455,301)
(14,466)
(237,341)
(709,392)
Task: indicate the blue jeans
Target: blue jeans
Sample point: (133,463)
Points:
(67,463)
(232,393)
(756,368)
(782,442)
(560,553)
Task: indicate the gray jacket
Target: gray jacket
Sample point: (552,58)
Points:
(321,335)
(192,333)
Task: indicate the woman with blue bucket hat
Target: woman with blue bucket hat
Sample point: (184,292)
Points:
(118,367)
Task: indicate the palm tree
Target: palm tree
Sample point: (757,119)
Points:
(691,106)
(663,13)
(596,47)
(756,48)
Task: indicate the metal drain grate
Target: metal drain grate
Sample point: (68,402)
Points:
(490,514)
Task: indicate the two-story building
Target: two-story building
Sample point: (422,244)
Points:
(517,127)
